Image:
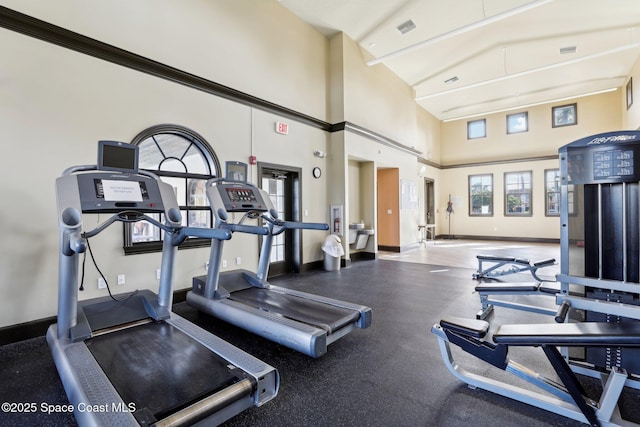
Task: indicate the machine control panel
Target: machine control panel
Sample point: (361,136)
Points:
(115,192)
(604,158)
(241,197)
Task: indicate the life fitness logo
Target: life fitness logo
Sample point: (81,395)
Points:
(608,139)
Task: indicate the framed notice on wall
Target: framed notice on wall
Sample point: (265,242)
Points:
(409,195)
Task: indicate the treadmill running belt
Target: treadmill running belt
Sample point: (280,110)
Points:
(159,368)
(324,316)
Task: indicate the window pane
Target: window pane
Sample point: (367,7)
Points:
(552,189)
(517,187)
(518,122)
(196,162)
(172,165)
(476,129)
(179,188)
(197,192)
(143,231)
(481,195)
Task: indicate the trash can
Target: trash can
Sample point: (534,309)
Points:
(332,248)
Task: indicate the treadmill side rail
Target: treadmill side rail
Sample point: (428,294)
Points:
(299,336)
(266,376)
(86,384)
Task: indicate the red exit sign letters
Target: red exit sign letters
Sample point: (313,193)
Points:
(282,128)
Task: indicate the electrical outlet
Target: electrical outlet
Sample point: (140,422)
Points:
(238,260)
(101,283)
(158,274)
(224,263)
(121,279)
(206,266)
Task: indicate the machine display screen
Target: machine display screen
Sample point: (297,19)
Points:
(610,163)
(241,195)
(120,191)
(117,156)
(236,171)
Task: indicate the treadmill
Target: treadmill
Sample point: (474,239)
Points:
(127,359)
(301,321)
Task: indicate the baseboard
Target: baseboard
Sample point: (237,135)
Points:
(389,248)
(497,238)
(363,256)
(38,328)
(310,266)
(25,331)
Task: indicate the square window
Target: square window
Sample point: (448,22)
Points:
(476,129)
(517,123)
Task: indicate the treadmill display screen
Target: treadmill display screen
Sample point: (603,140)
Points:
(241,195)
(120,191)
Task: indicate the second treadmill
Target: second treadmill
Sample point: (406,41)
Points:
(302,321)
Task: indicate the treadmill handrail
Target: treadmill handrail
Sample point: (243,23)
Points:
(205,233)
(277,226)
(241,228)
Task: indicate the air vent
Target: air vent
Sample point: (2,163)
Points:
(568,49)
(405,27)
(451,80)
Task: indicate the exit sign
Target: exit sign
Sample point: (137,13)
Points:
(282,128)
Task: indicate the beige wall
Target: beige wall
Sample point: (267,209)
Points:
(597,113)
(631,116)
(257,47)
(55,104)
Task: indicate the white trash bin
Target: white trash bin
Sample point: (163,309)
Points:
(333,250)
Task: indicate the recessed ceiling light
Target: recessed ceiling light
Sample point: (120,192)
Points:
(567,49)
(451,80)
(407,26)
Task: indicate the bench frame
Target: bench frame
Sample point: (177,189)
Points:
(487,292)
(566,399)
(512,266)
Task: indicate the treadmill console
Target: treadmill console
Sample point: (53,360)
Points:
(114,192)
(241,197)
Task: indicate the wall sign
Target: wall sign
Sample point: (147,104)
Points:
(282,128)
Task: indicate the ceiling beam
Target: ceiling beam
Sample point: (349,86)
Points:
(478,24)
(531,71)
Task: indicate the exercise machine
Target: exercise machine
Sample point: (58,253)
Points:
(302,321)
(492,295)
(566,397)
(502,266)
(128,359)
(600,248)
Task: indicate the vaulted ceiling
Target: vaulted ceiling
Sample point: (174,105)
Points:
(473,57)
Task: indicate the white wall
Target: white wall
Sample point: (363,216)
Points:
(55,104)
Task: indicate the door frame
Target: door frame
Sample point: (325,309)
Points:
(293,238)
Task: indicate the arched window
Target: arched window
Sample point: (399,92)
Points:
(183,159)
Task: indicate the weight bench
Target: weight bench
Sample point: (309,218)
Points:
(512,265)
(566,398)
(488,290)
